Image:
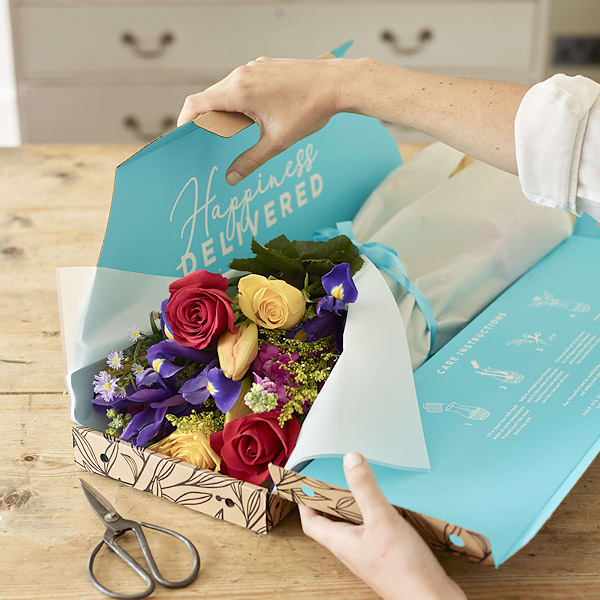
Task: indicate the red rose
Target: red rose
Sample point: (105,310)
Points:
(247,445)
(199,310)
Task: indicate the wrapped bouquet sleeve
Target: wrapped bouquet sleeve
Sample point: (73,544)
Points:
(462,239)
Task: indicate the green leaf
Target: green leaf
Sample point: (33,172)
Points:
(304,247)
(153,324)
(276,261)
(338,249)
(283,245)
(356,264)
(252,265)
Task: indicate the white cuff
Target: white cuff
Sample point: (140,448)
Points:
(550,127)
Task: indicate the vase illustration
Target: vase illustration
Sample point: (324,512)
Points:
(501,375)
(548,299)
(474,413)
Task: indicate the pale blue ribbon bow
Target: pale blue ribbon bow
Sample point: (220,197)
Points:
(386,259)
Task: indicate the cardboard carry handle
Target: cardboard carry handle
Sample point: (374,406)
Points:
(227,124)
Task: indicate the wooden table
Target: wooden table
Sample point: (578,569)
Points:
(53,208)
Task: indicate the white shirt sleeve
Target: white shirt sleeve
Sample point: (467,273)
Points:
(557,142)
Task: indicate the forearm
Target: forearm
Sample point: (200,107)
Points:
(475,116)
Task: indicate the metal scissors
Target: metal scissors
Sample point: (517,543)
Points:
(117,526)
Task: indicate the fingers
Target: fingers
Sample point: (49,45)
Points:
(330,534)
(251,159)
(362,483)
(198,104)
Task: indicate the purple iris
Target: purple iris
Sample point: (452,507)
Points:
(332,309)
(211,381)
(157,393)
(224,391)
(340,288)
(165,326)
(150,421)
(195,390)
(162,353)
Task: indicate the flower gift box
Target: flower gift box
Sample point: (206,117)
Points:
(172,215)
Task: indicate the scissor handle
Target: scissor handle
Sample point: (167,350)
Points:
(109,540)
(137,529)
(128,560)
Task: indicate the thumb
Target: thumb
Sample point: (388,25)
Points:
(250,160)
(362,483)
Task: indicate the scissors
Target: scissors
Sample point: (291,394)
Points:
(117,526)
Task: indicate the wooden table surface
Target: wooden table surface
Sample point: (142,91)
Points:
(53,208)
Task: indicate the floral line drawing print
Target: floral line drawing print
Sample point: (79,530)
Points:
(214,494)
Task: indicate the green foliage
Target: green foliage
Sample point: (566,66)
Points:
(300,263)
(118,422)
(308,372)
(206,422)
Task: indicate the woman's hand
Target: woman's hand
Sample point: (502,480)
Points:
(288,99)
(385,552)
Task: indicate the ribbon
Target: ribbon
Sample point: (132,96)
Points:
(385,259)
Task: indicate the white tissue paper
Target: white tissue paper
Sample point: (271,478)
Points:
(462,239)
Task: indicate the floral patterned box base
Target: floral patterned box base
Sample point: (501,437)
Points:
(339,502)
(242,503)
(214,494)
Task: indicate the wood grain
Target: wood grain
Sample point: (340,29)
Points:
(53,207)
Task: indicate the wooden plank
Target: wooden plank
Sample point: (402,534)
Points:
(54,203)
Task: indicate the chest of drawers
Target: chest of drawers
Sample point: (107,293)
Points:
(119,71)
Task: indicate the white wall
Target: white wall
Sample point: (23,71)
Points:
(9,122)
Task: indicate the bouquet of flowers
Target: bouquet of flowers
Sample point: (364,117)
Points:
(230,366)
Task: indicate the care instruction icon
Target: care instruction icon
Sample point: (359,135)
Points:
(501,375)
(474,413)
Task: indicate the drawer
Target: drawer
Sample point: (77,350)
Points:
(209,40)
(100,114)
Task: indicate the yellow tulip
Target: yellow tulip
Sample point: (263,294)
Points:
(237,350)
(192,447)
(271,303)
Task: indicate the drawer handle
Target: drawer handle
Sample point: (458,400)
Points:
(164,41)
(424,36)
(132,123)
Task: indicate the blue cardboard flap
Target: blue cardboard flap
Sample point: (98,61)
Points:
(173,212)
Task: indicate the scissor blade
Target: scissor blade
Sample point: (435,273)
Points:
(99,503)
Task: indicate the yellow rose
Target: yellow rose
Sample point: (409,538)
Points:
(192,447)
(270,303)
